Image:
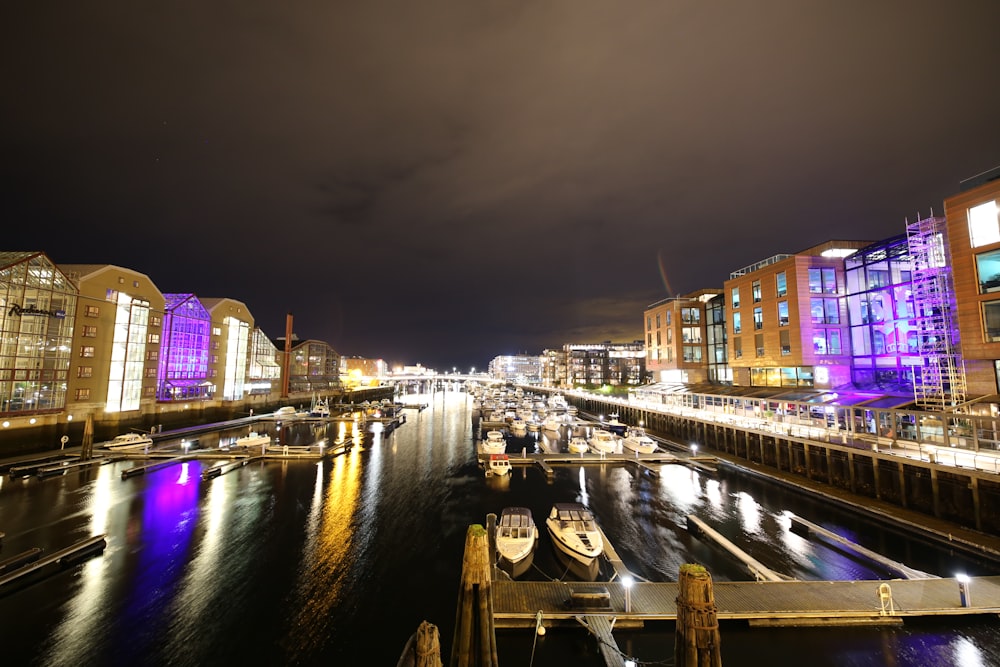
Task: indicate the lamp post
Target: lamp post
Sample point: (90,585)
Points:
(627,583)
(963,590)
(694,450)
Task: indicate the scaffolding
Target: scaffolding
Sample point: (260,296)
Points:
(939,382)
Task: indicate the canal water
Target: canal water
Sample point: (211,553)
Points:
(337,563)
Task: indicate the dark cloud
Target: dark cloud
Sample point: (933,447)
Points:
(440,182)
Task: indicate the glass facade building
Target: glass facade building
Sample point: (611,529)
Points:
(37,303)
(184,351)
(884,339)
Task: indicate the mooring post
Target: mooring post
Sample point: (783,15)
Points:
(697,641)
(475,636)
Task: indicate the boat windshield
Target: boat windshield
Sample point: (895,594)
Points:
(576,520)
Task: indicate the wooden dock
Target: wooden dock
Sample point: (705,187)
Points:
(792,603)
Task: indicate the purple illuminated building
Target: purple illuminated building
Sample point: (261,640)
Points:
(184,350)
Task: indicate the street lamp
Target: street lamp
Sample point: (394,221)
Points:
(963,590)
(694,449)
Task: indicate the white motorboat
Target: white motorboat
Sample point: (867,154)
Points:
(518,426)
(128,441)
(516,538)
(636,440)
(574,532)
(494,443)
(499,464)
(553,423)
(252,440)
(603,442)
(320,409)
(287,412)
(578,445)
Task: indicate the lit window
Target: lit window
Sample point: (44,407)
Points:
(781,285)
(87,351)
(737,348)
(84,371)
(154,339)
(758,319)
(216,331)
(784,340)
(91,311)
(737,323)
(755,291)
(991,321)
(82,394)
(983,224)
(736,297)
(89,332)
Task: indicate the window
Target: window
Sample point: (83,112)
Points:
(755,291)
(780,284)
(155,321)
(657,320)
(824,311)
(82,394)
(153,339)
(823,281)
(691,315)
(670,336)
(87,351)
(215,345)
(826,341)
(692,354)
(991,321)
(91,311)
(214,359)
(758,343)
(736,297)
(84,371)
(150,372)
(984,226)
(149,391)
(649,323)
(668,319)
(216,331)
(111,295)
(691,334)
(152,355)
(784,340)
(737,348)
(649,339)
(988,270)
(88,331)
(782,313)
(737,324)
(758,319)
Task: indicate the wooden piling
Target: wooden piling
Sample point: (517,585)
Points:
(475,636)
(697,641)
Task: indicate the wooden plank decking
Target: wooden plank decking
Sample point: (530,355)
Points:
(786,602)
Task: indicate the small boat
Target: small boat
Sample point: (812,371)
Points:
(518,426)
(128,441)
(516,538)
(636,440)
(287,412)
(252,440)
(578,445)
(320,409)
(499,464)
(603,442)
(574,532)
(614,425)
(494,443)
(553,423)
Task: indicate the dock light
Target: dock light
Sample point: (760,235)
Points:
(69,418)
(694,450)
(627,583)
(964,595)
(185,444)
(32,420)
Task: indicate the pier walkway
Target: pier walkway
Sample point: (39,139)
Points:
(517,603)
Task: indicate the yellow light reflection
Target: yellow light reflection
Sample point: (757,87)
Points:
(199,587)
(330,539)
(84,610)
(713,493)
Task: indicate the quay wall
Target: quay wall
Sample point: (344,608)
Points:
(22,436)
(963,496)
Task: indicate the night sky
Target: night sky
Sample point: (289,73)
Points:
(440,182)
